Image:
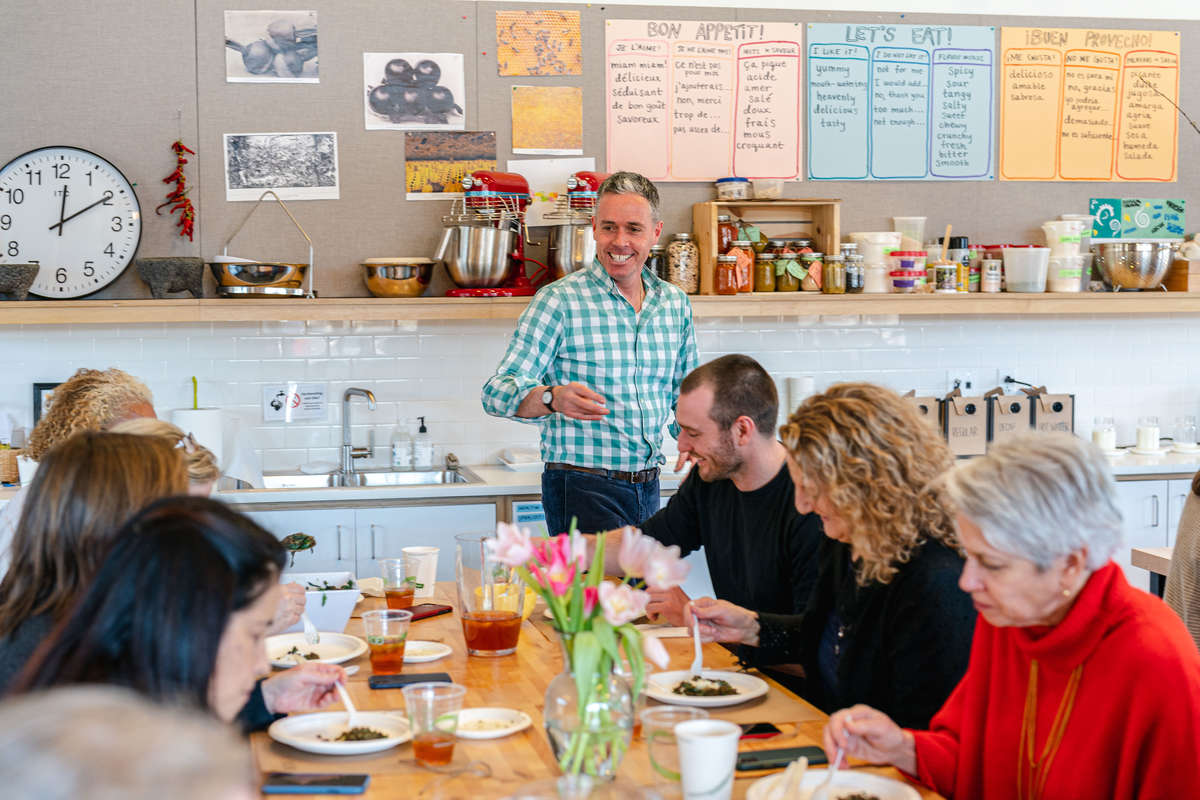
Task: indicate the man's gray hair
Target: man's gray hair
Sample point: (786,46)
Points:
(632,183)
(1040,496)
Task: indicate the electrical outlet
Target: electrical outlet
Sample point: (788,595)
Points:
(964,380)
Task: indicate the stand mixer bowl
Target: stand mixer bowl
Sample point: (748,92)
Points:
(572,246)
(475,251)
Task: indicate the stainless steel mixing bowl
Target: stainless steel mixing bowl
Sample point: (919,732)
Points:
(259,273)
(475,251)
(572,245)
(1133,265)
(397,277)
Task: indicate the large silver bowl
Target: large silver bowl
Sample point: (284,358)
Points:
(397,277)
(259,274)
(475,251)
(1133,265)
(572,246)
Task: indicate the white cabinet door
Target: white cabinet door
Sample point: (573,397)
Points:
(1177,494)
(332,528)
(1143,504)
(382,532)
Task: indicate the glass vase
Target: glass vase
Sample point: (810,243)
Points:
(589,738)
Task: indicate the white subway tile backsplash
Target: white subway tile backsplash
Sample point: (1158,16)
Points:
(257,347)
(400,345)
(305,346)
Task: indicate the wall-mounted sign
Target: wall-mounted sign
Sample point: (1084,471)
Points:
(289,402)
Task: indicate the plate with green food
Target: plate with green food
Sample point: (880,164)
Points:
(846,785)
(709,689)
(289,649)
(329,732)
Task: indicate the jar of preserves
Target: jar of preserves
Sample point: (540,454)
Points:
(764,272)
(833,275)
(683,263)
(657,260)
(802,245)
(745,264)
(856,274)
(725,279)
(726,233)
(813,264)
(776,246)
(788,271)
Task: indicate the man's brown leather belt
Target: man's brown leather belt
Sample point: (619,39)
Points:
(645,476)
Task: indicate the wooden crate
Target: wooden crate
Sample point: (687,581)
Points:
(779,219)
(1183,276)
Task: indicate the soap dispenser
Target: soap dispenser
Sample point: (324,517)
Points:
(422,448)
(402,446)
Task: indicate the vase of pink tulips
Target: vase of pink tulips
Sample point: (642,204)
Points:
(589,709)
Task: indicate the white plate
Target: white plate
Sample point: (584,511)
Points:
(844,782)
(522,466)
(1157,452)
(1185,449)
(490,723)
(303,732)
(334,648)
(659,685)
(417,651)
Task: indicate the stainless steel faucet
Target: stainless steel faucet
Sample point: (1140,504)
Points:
(349,451)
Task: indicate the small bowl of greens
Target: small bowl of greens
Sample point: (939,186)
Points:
(329,598)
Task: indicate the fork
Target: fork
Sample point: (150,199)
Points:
(822,790)
(310,631)
(698,660)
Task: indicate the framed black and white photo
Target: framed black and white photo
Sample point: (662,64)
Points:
(271,47)
(41,399)
(414,91)
(297,166)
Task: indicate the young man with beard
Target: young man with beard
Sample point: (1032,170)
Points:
(597,359)
(739,502)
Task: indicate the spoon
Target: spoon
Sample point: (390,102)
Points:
(822,790)
(698,660)
(351,711)
(310,631)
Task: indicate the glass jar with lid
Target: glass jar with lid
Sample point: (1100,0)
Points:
(726,232)
(764,272)
(802,245)
(856,275)
(745,264)
(788,271)
(776,246)
(813,268)
(833,274)
(849,248)
(725,278)
(656,262)
(683,263)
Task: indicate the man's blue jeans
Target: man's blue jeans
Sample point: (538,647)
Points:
(597,503)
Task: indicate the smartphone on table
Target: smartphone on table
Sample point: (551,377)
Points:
(758,730)
(426,610)
(753,760)
(399,680)
(314,783)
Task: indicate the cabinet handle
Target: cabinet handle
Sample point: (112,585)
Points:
(1155,499)
(372,541)
(339,542)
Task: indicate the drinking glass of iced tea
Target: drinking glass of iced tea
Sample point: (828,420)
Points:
(387,631)
(433,714)
(398,588)
(491,598)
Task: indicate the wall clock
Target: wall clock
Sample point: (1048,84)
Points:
(73,213)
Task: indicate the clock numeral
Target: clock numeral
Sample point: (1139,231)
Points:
(62,170)
(108,251)
(88,269)
(15,196)
(31,175)
(60,275)
(5,222)
(14,249)
(108,196)
(116,223)
(89,177)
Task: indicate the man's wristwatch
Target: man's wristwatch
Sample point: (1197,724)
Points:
(548,398)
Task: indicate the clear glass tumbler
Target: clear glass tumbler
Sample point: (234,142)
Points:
(491,598)
(433,714)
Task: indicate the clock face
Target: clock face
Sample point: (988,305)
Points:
(71,212)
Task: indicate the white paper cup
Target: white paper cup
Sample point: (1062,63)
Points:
(707,756)
(421,563)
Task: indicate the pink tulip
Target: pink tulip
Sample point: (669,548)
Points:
(653,649)
(665,569)
(579,552)
(560,572)
(636,549)
(622,603)
(591,596)
(512,546)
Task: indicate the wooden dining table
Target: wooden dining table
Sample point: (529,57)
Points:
(519,681)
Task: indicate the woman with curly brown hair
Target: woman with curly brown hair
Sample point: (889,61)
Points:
(886,620)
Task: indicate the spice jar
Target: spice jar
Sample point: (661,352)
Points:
(764,272)
(725,279)
(993,272)
(945,277)
(788,271)
(656,262)
(683,263)
(855,274)
(813,267)
(833,275)
(849,249)
(745,264)
(726,233)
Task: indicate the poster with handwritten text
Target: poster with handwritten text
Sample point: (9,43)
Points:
(1078,104)
(696,101)
(900,102)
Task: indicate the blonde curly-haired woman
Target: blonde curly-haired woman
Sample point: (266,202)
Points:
(886,620)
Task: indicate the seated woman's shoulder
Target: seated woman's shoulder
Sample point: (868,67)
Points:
(1149,631)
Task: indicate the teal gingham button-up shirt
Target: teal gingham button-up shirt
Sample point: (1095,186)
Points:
(581,328)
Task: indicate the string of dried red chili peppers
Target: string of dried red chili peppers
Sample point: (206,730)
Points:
(177,198)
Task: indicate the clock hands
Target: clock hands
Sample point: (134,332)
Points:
(107,196)
(62,210)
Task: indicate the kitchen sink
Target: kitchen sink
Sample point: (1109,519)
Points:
(369,477)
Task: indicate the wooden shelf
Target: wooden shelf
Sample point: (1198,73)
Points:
(93,312)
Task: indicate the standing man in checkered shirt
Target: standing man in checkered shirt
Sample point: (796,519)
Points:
(596,360)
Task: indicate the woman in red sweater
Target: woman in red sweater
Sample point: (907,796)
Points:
(1079,685)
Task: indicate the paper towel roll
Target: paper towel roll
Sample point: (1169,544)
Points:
(206,425)
(799,389)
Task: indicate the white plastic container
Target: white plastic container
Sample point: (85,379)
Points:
(732,188)
(767,188)
(876,279)
(402,447)
(912,232)
(875,245)
(1085,236)
(1025,268)
(1068,273)
(1063,236)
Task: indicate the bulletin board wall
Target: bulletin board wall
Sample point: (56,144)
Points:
(127,81)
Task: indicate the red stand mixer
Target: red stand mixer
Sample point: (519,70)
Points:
(483,244)
(572,244)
